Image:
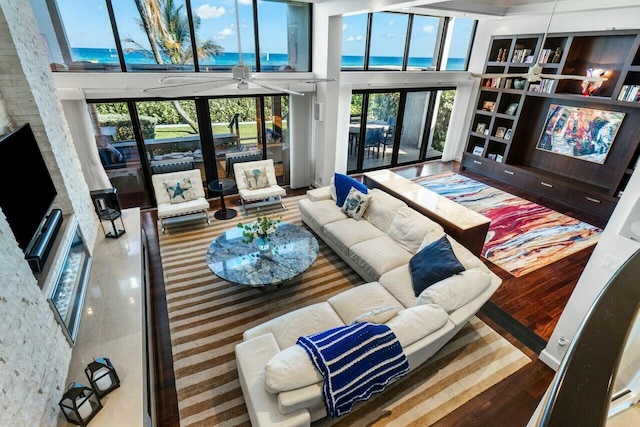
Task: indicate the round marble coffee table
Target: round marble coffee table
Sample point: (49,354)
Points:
(292,251)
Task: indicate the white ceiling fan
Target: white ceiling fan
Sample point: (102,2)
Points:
(534,73)
(241,75)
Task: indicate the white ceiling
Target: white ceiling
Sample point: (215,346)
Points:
(482,8)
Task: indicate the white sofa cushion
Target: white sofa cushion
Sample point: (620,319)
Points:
(361,299)
(398,283)
(382,209)
(347,232)
(378,315)
(303,321)
(377,256)
(417,322)
(410,228)
(290,369)
(320,213)
(456,291)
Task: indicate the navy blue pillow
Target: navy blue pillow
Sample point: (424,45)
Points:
(433,263)
(343,184)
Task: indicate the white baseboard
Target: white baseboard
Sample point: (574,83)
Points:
(549,360)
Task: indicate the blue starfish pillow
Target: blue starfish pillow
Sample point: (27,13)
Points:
(180,191)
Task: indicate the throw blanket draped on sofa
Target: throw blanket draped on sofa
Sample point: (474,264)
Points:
(355,361)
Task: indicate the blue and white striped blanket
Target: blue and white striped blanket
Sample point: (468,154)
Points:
(355,361)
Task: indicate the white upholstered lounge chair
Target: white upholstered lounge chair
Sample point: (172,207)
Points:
(257,184)
(180,196)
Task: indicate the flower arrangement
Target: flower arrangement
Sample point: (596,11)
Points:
(262,228)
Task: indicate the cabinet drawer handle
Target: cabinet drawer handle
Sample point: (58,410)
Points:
(477,162)
(546,184)
(509,172)
(591,199)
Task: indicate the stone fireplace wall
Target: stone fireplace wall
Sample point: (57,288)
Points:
(34,354)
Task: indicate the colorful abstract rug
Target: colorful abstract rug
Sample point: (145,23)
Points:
(208,315)
(523,236)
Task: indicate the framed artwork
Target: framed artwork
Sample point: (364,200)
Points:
(500,132)
(480,127)
(508,133)
(583,133)
(488,105)
(478,150)
(511,109)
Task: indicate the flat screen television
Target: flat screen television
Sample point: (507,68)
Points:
(28,190)
(582,133)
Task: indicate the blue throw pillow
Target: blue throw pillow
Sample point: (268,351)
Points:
(433,263)
(343,184)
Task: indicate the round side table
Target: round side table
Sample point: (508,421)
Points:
(221,186)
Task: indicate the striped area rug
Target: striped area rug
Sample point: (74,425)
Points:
(207,317)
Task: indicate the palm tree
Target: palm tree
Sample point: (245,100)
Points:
(167,29)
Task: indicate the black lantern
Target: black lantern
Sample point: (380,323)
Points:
(80,404)
(102,376)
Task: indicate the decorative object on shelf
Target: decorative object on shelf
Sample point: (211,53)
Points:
(535,72)
(499,158)
(511,109)
(262,229)
(491,156)
(589,88)
(80,404)
(488,105)
(499,57)
(519,83)
(102,376)
(478,150)
(583,133)
(500,132)
(480,127)
(486,131)
(508,133)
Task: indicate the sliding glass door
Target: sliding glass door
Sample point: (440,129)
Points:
(401,127)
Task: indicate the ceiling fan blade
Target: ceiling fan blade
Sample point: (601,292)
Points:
(294,79)
(184,87)
(498,75)
(186,78)
(276,88)
(573,77)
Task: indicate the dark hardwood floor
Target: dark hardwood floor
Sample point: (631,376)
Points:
(533,302)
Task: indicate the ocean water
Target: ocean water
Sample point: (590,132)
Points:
(267,61)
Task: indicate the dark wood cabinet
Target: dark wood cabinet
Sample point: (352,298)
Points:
(511,113)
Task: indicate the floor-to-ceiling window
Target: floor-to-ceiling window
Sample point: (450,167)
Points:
(138,139)
(398,127)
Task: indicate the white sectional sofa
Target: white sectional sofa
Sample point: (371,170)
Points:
(279,383)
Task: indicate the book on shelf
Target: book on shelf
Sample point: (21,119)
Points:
(520,55)
(544,86)
(494,82)
(629,93)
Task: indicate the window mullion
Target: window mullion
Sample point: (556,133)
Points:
(116,35)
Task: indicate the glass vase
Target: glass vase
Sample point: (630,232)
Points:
(264,245)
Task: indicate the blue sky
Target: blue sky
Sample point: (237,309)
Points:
(91,28)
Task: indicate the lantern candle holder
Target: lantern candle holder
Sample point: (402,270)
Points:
(102,376)
(80,404)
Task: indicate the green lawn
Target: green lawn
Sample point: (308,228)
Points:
(247,130)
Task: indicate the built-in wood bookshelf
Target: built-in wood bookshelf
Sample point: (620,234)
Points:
(511,113)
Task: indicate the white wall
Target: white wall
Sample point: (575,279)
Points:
(34,354)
